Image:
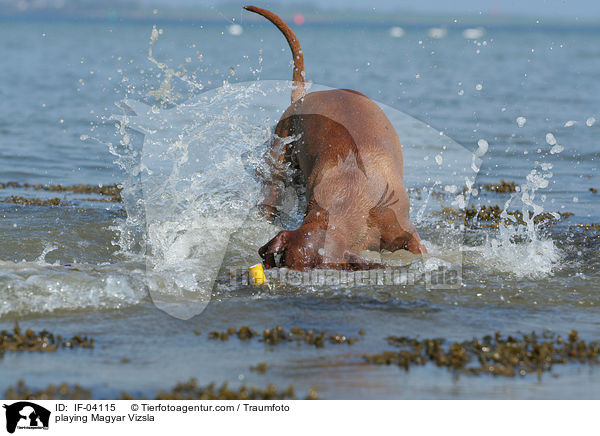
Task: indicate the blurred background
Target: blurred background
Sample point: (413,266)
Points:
(379,11)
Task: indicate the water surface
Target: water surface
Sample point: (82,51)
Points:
(83,268)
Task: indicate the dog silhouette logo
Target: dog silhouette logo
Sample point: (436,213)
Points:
(26,415)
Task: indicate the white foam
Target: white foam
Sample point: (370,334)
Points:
(516,249)
(532,259)
(396,32)
(39,287)
(437,32)
(473,33)
(235,29)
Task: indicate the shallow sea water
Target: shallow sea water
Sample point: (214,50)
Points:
(101,269)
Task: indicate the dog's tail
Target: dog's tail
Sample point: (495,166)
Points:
(298,90)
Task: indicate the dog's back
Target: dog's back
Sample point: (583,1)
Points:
(343,133)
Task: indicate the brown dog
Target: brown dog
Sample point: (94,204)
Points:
(350,159)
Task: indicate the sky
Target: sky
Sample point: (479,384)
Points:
(584,9)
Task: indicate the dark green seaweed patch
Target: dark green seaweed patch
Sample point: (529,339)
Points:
(260,368)
(491,216)
(15,199)
(278,335)
(189,390)
(503,187)
(585,227)
(53,392)
(494,355)
(112,193)
(43,341)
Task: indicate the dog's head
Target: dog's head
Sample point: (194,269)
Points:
(305,249)
(292,249)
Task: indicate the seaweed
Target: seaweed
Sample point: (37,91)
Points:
(43,341)
(493,355)
(279,335)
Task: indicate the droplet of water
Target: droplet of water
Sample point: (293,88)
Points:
(550,139)
(483,148)
(521,121)
(459,202)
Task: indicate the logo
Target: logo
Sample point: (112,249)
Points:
(26,415)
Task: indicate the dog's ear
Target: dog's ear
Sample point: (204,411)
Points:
(276,245)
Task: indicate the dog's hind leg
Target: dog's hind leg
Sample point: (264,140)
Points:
(395,228)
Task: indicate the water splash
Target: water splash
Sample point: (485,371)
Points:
(519,249)
(193,169)
(196,188)
(198,169)
(38,287)
(47,249)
